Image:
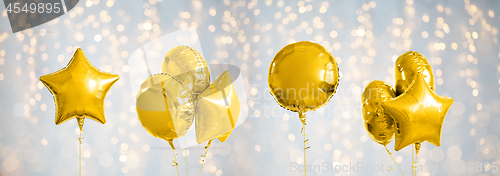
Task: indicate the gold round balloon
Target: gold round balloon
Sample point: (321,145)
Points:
(303,76)
(378,122)
(165,107)
(188,66)
(407,66)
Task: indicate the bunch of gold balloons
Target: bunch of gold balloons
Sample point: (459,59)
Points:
(413,113)
(168,103)
(303,76)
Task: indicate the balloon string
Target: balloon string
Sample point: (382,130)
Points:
(186,155)
(302,116)
(80,153)
(306,139)
(415,163)
(205,155)
(412,170)
(390,154)
(175,162)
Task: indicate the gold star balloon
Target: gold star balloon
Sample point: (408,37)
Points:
(378,122)
(217,110)
(419,114)
(79,90)
(406,68)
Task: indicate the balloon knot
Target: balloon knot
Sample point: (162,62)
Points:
(80,139)
(306,142)
(174,163)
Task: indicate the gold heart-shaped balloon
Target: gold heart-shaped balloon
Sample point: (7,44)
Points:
(407,66)
(378,122)
(188,66)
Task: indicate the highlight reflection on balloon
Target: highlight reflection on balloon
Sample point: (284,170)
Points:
(79,90)
(303,76)
(218,108)
(419,114)
(165,107)
(188,66)
(408,65)
(378,123)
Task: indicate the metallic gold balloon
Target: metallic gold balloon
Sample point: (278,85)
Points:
(165,107)
(303,76)
(419,114)
(79,90)
(408,65)
(378,122)
(218,108)
(188,66)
